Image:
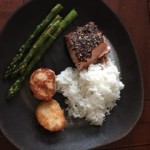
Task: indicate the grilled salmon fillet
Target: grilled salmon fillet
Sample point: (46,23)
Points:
(86,45)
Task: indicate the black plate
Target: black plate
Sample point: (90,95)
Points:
(17,117)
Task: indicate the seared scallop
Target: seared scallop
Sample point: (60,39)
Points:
(50,115)
(42,83)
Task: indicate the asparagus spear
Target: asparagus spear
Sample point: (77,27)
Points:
(17,85)
(22,66)
(40,28)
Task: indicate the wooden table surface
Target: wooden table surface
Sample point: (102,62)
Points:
(135,15)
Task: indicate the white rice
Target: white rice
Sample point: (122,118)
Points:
(90,93)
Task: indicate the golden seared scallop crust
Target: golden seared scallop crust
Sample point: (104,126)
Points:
(50,115)
(42,83)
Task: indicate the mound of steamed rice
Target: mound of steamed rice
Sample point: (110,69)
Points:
(90,93)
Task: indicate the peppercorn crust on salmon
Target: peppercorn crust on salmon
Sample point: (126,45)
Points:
(86,45)
(50,115)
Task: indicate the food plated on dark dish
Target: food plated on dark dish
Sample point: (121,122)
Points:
(72,85)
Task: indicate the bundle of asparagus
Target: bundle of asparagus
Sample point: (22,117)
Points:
(29,42)
(22,64)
